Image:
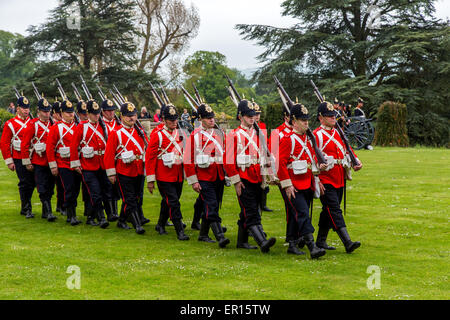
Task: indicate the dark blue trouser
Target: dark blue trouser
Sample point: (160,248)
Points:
(45,182)
(71,181)
(171,193)
(130,191)
(331,215)
(249,202)
(297,218)
(26,181)
(98,187)
(211,196)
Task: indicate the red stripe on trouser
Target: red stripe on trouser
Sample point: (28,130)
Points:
(87,187)
(296,213)
(207,210)
(329,213)
(62,184)
(123,197)
(167,201)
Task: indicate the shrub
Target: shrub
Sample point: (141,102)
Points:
(391,125)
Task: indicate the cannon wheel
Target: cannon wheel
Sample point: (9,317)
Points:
(360,132)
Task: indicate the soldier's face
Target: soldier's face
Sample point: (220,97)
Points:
(129,120)
(57,116)
(93,117)
(300,125)
(109,115)
(23,112)
(328,121)
(44,115)
(171,124)
(208,123)
(247,121)
(68,116)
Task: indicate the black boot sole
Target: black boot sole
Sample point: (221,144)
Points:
(296,252)
(318,255)
(269,243)
(206,239)
(247,246)
(353,247)
(224,243)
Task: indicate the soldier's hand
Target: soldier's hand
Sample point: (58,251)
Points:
(323,166)
(290,192)
(322,188)
(112,179)
(54,171)
(358,167)
(197,188)
(151,186)
(239,187)
(78,169)
(30,167)
(12,166)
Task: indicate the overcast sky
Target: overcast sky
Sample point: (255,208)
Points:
(218,18)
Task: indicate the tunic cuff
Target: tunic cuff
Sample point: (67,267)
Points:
(9,161)
(192,179)
(75,164)
(235,179)
(53,165)
(286,183)
(151,178)
(111,172)
(26,161)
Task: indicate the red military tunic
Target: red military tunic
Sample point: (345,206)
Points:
(36,132)
(160,145)
(60,137)
(209,143)
(111,125)
(292,148)
(335,148)
(276,136)
(122,140)
(242,141)
(13,133)
(91,135)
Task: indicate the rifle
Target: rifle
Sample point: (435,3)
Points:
(338,128)
(39,97)
(197,94)
(64,97)
(138,126)
(288,103)
(89,96)
(164,94)
(79,98)
(157,97)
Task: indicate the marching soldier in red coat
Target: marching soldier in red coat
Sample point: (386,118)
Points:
(56,116)
(163,163)
(242,165)
(332,179)
(296,161)
(108,107)
(203,164)
(86,158)
(124,163)
(11,141)
(58,155)
(34,157)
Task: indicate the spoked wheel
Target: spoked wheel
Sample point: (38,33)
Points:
(360,132)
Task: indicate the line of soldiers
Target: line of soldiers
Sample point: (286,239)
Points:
(117,162)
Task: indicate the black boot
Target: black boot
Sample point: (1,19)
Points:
(315,251)
(91,215)
(242,241)
(28,213)
(111,210)
(204,230)
(72,216)
(301,242)
(293,249)
(122,224)
(161,225)
(218,233)
(180,230)
(350,246)
(260,238)
(195,225)
(321,241)
(136,222)
(101,219)
(47,211)
(23,207)
(143,219)
(264,202)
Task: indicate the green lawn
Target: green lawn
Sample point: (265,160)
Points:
(398,207)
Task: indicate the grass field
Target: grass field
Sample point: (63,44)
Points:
(398,207)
